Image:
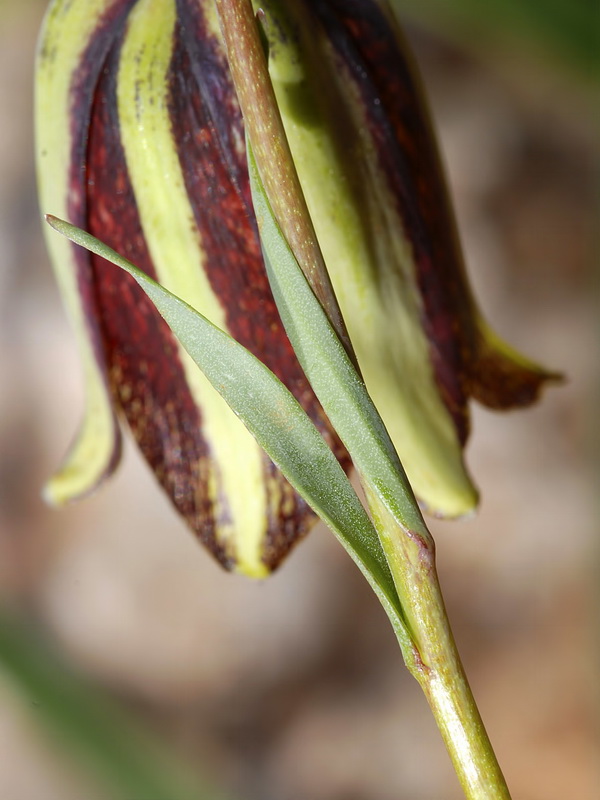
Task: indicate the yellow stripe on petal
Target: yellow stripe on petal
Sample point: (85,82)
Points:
(236,482)
(68,28)
(371,266)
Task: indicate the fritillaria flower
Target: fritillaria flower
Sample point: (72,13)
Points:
(140,140)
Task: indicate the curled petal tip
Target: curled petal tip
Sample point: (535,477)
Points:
(500,378)
(454,506)
(92,460)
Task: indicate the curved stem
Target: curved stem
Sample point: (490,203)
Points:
(430,653)
(444,682)
(433,658)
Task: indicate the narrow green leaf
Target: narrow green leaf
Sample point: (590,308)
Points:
(277,421)
(92,731)
(330,372)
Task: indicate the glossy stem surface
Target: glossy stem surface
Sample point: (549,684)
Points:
(433,658)
(449,695)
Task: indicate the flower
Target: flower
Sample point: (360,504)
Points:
(140,140)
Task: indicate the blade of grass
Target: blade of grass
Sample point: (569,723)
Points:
(91,729)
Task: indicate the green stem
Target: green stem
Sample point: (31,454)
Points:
(443,680)
(431,655)
(434,660)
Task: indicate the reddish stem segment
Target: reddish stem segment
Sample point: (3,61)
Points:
(265,130)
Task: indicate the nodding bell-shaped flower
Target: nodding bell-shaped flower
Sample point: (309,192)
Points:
(140,140)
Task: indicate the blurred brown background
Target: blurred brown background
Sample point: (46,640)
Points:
(294,688)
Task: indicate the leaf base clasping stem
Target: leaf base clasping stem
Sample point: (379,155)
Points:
(433,658)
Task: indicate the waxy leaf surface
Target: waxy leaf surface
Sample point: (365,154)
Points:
(275,418)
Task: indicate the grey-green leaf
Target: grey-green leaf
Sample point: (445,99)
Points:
(276,420)
(332,375)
